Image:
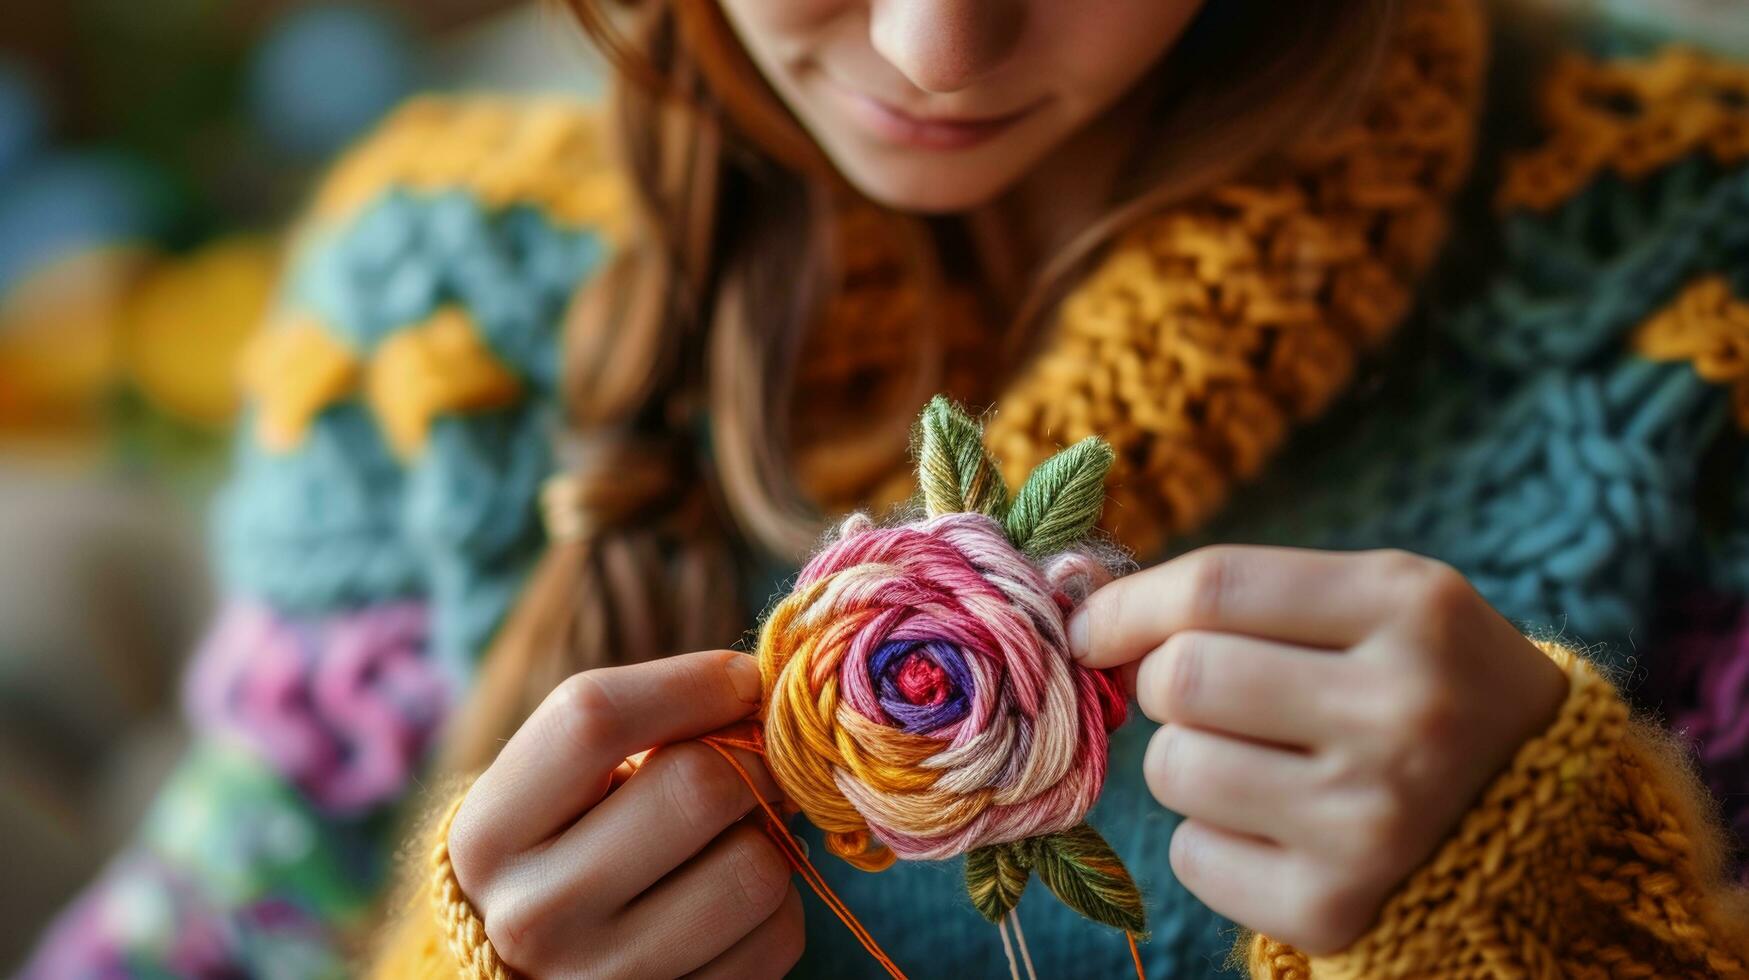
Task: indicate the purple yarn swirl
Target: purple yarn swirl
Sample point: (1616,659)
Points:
(343,706)
(883,670)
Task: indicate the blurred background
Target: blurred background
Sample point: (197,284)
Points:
(150,154)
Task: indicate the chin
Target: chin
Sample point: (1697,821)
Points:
(924,187)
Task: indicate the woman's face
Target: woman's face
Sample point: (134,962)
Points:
(942,105)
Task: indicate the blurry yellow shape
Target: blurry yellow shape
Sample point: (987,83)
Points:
(1708,326)
(189,322)
(437,367)
(59,348)
(549,153)
(294,369)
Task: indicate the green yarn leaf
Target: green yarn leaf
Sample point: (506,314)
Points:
(954,472)
(1061,500)
(1087,875)
(1077,865)
(995,877)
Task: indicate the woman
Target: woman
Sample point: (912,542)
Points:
(1189,228)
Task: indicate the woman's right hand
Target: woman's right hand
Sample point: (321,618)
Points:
(578,875)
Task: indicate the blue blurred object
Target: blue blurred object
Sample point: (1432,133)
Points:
(22,118)
(324,74)
(66,202)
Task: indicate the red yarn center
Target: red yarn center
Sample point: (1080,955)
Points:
(922,681)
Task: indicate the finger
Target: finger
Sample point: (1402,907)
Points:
(1294,595)
(707,905)
(561,761)
(1240,685)
(1239,786)
(768,951)
(679,801)
(1241,878)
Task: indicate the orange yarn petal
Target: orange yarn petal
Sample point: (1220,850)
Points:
(860,850)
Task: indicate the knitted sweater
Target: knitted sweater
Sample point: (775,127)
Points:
(1565,432)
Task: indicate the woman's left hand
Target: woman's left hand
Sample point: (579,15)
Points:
(1326,720)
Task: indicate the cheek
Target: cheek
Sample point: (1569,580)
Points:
(1099,48)
(760,21)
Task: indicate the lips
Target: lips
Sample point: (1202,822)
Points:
(895,125)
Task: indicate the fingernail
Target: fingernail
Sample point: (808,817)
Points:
(1078,635)
(744,675)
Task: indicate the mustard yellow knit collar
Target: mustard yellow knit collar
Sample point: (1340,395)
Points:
(1208,331)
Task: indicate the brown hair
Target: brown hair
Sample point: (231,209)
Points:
(681,457)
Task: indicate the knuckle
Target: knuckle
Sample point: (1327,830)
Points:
(586,715)
(1187,855)
(1342,770)
(1166,767)
(1439,594)
(516,927)
(1330,914)
(1211,581)
(761,873)
(1381,825)
(1105,612)
(1427,715)
(1184,670)
(470,848)
(1397,564)
(702,790)
(1419,726)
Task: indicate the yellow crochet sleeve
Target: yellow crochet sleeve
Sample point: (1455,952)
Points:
(436,934)
(1594,855)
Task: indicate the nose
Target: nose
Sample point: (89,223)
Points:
(943,46)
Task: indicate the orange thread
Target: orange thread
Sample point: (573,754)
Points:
(798,858)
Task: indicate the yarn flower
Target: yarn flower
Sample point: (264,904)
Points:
(921,702)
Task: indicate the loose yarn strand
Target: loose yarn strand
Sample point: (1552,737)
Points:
(1007,949)
(798,859)
(1020,940)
